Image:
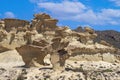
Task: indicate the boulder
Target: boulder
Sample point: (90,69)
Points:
(30,53)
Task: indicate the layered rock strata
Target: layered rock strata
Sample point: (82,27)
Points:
(33,41)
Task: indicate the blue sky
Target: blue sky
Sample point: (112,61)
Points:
(98,14)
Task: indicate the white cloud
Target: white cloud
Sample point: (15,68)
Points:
(9,15)
(104,17)
(64,7)
(117,2)
(111,12)
(76,11)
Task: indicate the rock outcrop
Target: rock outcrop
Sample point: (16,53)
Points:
(43,22)
(110,36)
(42,36)
(59,42)
(54,50)
(10,23)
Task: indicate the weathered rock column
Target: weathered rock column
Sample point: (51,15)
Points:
(3,32)
(55,61)
(59,54)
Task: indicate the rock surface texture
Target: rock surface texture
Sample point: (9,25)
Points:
(41,50)
(110,36)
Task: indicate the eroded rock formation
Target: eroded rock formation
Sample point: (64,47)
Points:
(61,42)
(43,22)
(34,41)
(10,23)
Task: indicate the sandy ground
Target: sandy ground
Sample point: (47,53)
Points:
(11,62)
(10,59)
(13,59)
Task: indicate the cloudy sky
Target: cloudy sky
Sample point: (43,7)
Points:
(98,14)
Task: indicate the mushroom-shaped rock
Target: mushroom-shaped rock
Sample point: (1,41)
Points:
(88,29)
(30,52)
(41,16)
(59,54)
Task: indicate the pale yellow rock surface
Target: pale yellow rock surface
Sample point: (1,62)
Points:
(10,59)
(72,55)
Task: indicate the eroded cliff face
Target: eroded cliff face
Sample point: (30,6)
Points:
(34,41)
(110,36)
(10,23)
